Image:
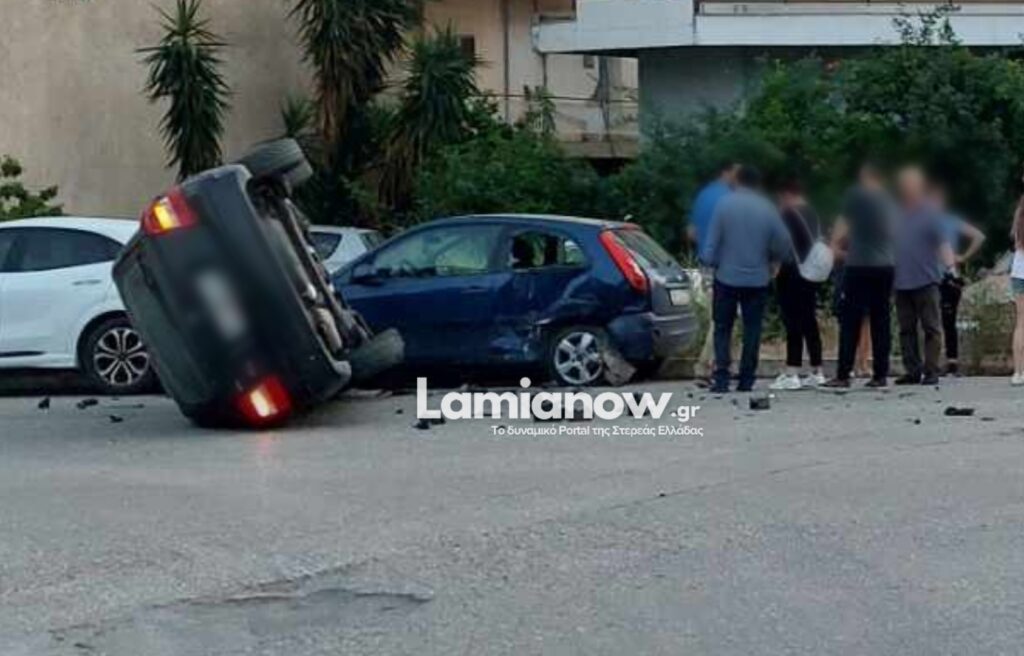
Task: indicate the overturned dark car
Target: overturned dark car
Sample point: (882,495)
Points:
(225,287)
(583,301)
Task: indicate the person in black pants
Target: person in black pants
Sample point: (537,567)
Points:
(797,297)
(966,241)
(746,241)
(866,228)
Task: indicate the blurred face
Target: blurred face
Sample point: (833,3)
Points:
(730,174)
(870,178)
(788,198)
(913,186)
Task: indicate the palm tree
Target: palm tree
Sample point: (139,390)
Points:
(350,44)
(435,109)
(185,69)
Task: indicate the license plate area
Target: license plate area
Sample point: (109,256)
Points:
(680,297)
(219,298)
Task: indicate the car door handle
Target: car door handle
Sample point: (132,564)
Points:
(475,290)
(87,283)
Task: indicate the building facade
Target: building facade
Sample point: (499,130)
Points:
(697,53)
(72,108)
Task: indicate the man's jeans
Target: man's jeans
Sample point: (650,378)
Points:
(920,307)
(751,302)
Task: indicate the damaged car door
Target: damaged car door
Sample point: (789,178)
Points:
(549,284)
(437,286)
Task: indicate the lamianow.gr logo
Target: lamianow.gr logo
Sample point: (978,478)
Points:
(547,406)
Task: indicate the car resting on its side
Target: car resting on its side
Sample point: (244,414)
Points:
(242,322)
(587,300)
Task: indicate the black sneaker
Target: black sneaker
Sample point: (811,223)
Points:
(930,379)
(877,383)
(719,389)
(837,383)
(908,380)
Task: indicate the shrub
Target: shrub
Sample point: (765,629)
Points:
(17,202)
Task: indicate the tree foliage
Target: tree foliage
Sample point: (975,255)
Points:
(17,202)
(350,46)
(184,69)
(435,109)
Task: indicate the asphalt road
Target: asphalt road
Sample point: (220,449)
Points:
(865,523)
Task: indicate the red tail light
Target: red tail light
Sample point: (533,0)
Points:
(266,403)
(168,213)
(623,259)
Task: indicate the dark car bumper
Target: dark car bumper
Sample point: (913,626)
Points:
(649,336)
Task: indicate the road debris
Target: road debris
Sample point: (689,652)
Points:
(952,411)
(86,403)
(760,403)
(44,404)
(114,419)
(422,424)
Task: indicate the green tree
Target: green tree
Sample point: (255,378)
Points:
(350,45)
(505,170)
(17,202)
(184,69)
(435,109)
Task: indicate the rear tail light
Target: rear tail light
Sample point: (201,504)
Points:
(267,402)
(168,213)
(623,259)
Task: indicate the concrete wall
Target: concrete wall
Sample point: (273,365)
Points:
(71,103)
(566,76)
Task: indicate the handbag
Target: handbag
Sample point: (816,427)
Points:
(820,260)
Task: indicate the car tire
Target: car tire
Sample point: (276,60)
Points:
(382,353)
(576,356)
(282,159)
(115,360)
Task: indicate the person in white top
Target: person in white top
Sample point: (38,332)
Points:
(1017,285)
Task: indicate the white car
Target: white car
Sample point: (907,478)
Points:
(59,308)
(339,246)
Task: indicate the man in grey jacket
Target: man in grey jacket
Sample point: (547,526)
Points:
(746,243)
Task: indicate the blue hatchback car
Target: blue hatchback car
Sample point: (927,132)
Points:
(548,292)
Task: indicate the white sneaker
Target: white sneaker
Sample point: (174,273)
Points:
(1017,380)
(787,382)
(814,380)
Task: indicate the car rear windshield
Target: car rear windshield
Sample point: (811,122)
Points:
(372,239)
(645,248)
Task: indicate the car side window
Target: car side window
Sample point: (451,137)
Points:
(46,249)
(444,252)
(537,249)
(325,243)
(6,242)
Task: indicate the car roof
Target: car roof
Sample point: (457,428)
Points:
(118,229)
(340,230)
(536,218)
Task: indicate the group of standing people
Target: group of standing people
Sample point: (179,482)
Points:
(904,250)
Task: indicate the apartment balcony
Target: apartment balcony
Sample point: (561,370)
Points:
(629,25)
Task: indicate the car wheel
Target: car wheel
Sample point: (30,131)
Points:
(115,359)
(576,356)
(282,159)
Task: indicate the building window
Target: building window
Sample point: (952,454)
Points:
(468,44)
